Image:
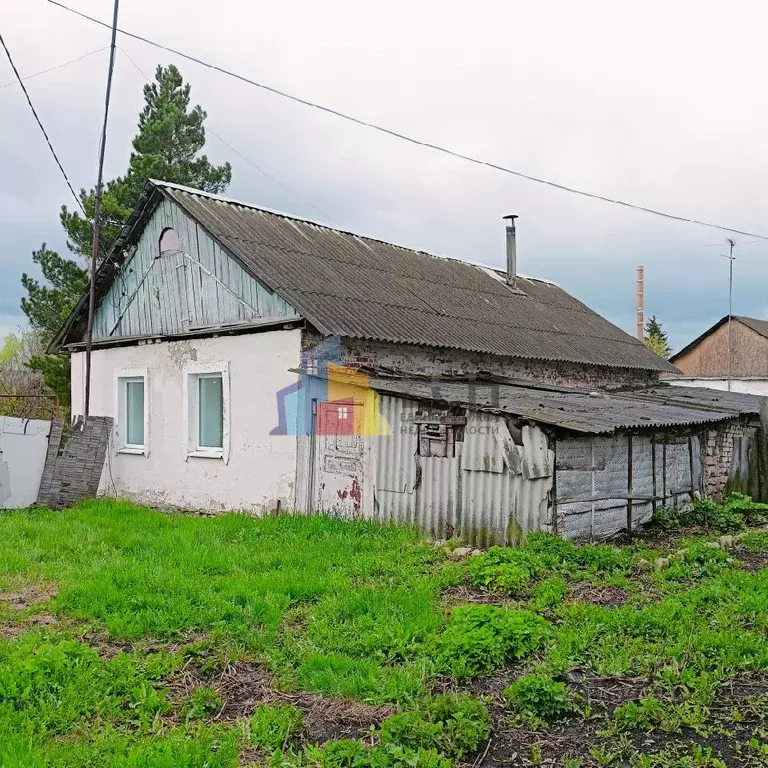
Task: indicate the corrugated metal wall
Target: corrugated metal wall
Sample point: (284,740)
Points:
(199,285)
(492,491)
(497,485)
(593,483)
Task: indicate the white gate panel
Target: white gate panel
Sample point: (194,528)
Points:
(23,447)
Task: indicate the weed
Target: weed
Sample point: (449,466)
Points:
(756,541)
(693,756)
(550,593)
(456,725)
(752,512)
(202,703)
(667,517)
(539,698)
(273,727)
(481,638)
(698,562)
(517,569)
(736,511)
(347,753)
(643,714)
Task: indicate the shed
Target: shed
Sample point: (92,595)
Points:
(490,461)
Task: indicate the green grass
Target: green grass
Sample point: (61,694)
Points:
(369,595)
(340,609)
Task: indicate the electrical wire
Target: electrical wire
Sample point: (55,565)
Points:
(248,160)
(411,140)
(20,81)
(40,124)
(56,66)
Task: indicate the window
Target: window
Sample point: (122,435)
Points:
(206,395)
(438,432)
(210,408)
(132,411)
(169,241)
(436,441)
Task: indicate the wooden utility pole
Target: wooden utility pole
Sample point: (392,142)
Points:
(95,244)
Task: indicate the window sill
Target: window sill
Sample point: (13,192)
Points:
(135,450)
(203,453)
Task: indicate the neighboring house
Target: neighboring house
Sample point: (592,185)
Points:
(707,361)
(255,361)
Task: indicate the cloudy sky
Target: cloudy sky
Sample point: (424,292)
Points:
(663,104)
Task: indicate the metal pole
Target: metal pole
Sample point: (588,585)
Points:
(96,222)
(640,330)
(592,489)
(653,472)
(690,464)
(730,308)
(554,486)
(629,486)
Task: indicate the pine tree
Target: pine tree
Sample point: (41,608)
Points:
(167,146)
(656,338)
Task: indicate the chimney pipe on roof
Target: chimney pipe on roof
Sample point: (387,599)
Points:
(511,249)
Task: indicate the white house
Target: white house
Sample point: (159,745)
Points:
(251,360)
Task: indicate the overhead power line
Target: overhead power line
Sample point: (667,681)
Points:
(56,66)
(410,139)
(40,124)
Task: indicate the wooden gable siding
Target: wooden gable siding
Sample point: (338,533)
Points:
(709,358)
(199,285)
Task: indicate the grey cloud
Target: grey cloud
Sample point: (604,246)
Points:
(600,96)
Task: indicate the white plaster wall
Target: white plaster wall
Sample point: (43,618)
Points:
(23,446)
(261,467)
(744,386)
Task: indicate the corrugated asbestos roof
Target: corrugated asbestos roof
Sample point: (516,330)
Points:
(363,288)
(581,411)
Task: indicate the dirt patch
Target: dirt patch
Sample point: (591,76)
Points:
(19,602)
(105,646)
(243,686)
(607,693)
(28,596)
(10,630)
(585,593)
(466,594)
(109,647)
(515,744)
(752,561)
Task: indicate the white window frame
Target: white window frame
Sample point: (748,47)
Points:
(122,376)
(192,374)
